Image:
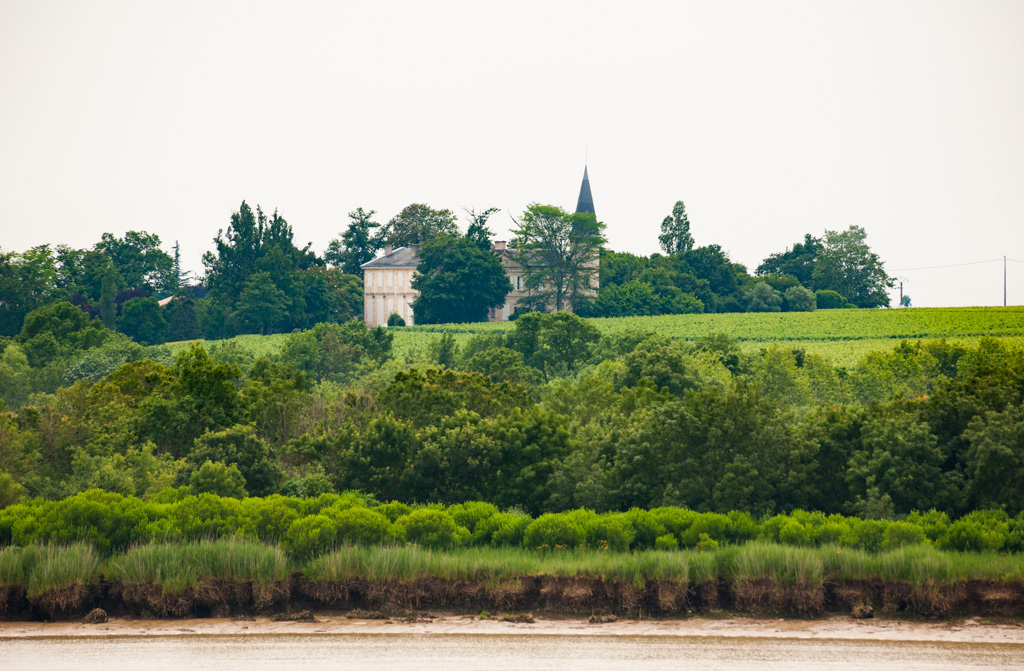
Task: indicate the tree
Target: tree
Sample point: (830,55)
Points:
(762,298)
(478,231)
(675,231)
(253,243)
(799,299)
(847,265)
(27,281)
(996,459)
(457,281)
(798,261)
(139,260)
(262,304)
(357,245)
(182,319)
(418,223)
(559,252)
(142,320)
(108,296)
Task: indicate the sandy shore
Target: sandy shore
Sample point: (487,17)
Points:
(840,628)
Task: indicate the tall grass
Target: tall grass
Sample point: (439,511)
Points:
(41,568)
(178,566)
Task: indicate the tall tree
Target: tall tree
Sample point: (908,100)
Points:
(262,304)
(675,231)
(108,296)
(478,231)
(139,260)
(357,245)
(457,281)
(418,223)
(27,281)
(798,261)
(559,252)
(142,320)
(847,265)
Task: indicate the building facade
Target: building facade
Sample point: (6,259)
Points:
(387,280)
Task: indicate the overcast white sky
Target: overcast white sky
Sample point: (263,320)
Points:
(769,119)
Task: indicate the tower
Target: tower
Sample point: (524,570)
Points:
(585,203)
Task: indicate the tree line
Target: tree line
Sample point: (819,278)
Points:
(258,280)
(550,416)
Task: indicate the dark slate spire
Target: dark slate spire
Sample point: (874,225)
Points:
(586,201)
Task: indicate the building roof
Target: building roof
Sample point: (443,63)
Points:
(403,257)
(585,203)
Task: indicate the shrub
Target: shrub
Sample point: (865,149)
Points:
(553,531)
(706,543)
(395,319)
(432,529)
(827,299)
(105,520)
(503,529)
(361,526)
(310,536)
(205,516)
(393,510)
(933,522)
(267,519)
(646,528)
(899,534)
(666,542)
(608,532)
(471,513)
(972,535)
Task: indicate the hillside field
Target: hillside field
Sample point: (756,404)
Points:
(843,336)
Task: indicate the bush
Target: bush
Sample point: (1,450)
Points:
(471,513)
(395,319)
(361,526)
(799,299)
(503,529)
(608,532)
(553,531)
(205,516)
(432,529)
(310,536)
(666,542)
(980,531)
(903,533)
(267,519)
(827,299)
(393,510)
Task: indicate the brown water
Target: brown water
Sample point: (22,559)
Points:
(435,652)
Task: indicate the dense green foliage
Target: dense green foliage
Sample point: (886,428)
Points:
(457,281)
(547,415)
(307,527)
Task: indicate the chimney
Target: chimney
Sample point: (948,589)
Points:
(499,245)
(387,249)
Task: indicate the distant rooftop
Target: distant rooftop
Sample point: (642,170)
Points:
(403,257)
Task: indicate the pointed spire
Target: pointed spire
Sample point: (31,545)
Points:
(585,203)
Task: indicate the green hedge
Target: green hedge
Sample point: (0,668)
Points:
(308,527)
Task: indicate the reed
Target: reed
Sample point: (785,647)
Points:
(43,568)
(177,566)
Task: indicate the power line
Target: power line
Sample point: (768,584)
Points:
(951,265)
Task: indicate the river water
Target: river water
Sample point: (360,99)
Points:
(489,652)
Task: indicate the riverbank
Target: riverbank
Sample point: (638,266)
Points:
(971,630)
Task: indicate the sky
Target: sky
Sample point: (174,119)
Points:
(770,120)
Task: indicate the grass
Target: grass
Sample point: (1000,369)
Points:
(178,566)
(42,568)
(842,336)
